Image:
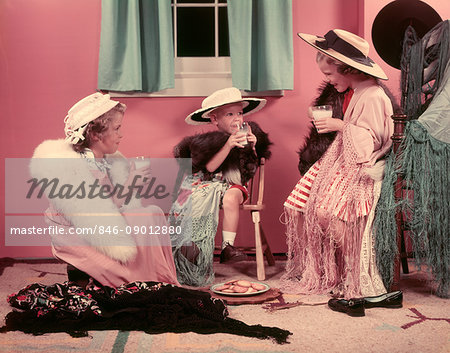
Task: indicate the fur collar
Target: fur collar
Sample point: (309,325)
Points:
(57,159)
(316,144)
(240,163)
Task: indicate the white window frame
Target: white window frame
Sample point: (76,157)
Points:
(198,76)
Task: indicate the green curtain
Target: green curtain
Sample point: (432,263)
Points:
(136,46)
(261,47)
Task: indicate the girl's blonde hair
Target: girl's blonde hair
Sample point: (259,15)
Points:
(342,68)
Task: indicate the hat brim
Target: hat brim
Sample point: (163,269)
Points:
(373,69)
(199,116)
(106,106)
(389,26)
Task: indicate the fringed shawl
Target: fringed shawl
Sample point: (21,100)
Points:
(315,263)
(424,163)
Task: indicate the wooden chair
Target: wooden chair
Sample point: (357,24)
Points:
(397,137)
(255,205)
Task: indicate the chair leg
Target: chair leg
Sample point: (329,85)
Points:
(267,251)
(260,272)
(403,255)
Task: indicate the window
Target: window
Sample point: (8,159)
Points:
(202,53)
(202,61)
(200,28)
(201,47)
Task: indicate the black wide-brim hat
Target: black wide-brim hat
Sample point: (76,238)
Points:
(389,26)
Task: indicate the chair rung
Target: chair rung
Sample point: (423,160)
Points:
(252,207)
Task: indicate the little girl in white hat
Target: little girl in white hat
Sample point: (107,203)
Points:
(97,237)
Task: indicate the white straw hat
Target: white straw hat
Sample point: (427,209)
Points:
(347,48)
(220,98)
(83,112)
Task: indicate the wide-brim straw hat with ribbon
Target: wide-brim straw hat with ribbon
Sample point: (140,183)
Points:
(346,47)
(221,98)
(83,112)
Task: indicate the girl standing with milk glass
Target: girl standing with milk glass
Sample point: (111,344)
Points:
(329,212)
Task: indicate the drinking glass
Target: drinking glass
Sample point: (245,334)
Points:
(322,111)
(141,161)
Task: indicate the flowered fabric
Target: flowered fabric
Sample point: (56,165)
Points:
(152,307)
(71,299)
(95,163)
(196,211)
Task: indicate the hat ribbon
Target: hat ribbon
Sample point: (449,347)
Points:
(73,136)
(333,41)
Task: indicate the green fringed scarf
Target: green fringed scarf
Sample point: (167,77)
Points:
(424,164)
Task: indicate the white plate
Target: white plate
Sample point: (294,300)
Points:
(213,289)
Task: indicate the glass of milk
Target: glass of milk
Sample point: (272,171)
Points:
(141,162)
(243,129)
(321,112)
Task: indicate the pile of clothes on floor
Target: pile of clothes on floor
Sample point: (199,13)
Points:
(152,307)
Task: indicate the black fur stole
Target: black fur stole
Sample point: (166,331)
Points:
(316,144)
(202,147)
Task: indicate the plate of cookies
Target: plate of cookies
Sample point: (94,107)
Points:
(240,288)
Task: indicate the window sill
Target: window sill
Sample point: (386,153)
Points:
(196,87)
(198,77)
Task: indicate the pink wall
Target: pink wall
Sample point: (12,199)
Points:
(49,55)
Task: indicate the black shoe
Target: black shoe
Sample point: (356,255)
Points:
(74,274)
(387,300)
(230,254)
(352,307)
(77,277)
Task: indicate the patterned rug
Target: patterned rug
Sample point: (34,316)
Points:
(422,325)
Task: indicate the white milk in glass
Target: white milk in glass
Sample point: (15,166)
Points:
(319,114)
(141,161)
(322,111)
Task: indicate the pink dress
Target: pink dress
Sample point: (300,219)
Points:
(153,261)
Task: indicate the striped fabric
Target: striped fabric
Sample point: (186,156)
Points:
(298,197)
(339,208)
